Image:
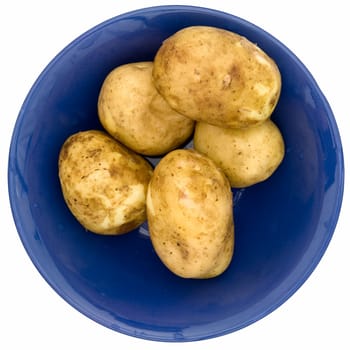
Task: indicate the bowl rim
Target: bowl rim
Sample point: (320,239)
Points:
(46,270)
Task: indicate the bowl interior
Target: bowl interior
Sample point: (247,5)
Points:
(283,225)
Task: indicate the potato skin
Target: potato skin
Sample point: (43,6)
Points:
(133,112)
(216,76)
(190,215)
(247,156)
(103,183)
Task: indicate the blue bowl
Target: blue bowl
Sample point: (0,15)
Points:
(283,225)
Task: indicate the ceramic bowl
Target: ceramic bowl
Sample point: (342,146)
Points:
(283,225)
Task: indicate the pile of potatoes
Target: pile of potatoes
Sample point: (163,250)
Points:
(205,83)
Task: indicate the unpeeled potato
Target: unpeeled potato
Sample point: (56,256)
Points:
(133,112)
(190,215)
(247,156)
(217,76)
(103,183)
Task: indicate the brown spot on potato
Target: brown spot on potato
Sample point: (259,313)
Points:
(114,170)
(183,251)
(273,100)
(93,153)
(232,76)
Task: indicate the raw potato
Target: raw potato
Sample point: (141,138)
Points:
(190,215)
(104,184)
(247,156)
(132,111)
(216,76)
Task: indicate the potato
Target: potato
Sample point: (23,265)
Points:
(133,112)
(247,156)
(103,183)
(216,76)
(190,215)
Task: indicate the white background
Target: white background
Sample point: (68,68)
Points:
(33,316)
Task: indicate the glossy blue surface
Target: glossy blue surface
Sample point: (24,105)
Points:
(283,225)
